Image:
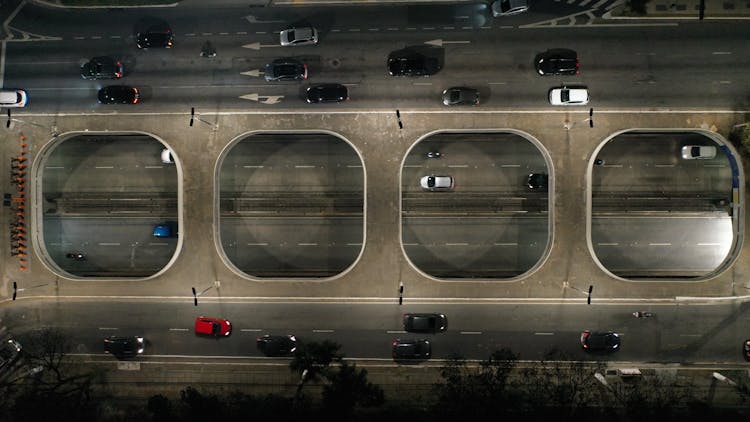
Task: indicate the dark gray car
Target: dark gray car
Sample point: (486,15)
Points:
(102,67)
(285,70)
(411,350)
(425,322)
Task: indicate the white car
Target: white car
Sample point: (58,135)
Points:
(509,7)
(166,156)
(569,96)
(299,36)
(436,183)
(13,97)
(698,152)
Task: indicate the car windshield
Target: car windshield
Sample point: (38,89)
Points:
(565,95)
(431,181)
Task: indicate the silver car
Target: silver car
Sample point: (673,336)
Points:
(436,183)
(509,7)
(299,36)
(569,96)
(698,152)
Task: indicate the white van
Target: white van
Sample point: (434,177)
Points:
(12,97)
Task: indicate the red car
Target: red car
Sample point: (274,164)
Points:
(212,326)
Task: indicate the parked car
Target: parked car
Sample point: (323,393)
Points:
(509,7)
(600,341)
(166,156)
(557,61)
(277,345)
(425,322)
(537,181)
(216,327)
(459,95)
(411,349)
(119,94)
(411,63)
(10,351)
(327,93)
(698,152)
(569,96)
(102,67)
(305,35)
(285,70)
(124,347)
(746,349)
(159,36)
(436,183)
(13,98)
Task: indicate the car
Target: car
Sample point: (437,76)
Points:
(155,37)
(557,61)
(569,96)
(10,351)
(509,7)
(698,152)
(216,327)
(425,322)
(459,95)
(285,70)
(119,94)
(746,349)
(327,93)
(305,35)
(165,229)
(600,341)
(411,63)
(102,67)
(124,347)
(411,349)
(13,98)
(277,345)
(436,183)
(166,156)
(537,181)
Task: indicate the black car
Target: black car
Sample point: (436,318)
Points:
(558,61)
(600,341)
(277,345)
(102,68)
(411,349)
(327,93)
(10,351)
(118,94)
(460,96)
(425,323)
(123,347)
(537,181)
(285,70)
(156,37)
(411,63)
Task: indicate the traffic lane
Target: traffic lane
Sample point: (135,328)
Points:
(490,247)
(114,245)
(667,246)
(275,246)
(685,333)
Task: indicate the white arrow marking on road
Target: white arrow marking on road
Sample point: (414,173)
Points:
(253,19)
(257,45)
(265,99)
(439,43)
(255,72)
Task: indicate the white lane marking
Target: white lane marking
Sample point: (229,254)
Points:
(353,29)
(456,244)
(307,244)
(721,52)
(223,33)
(423,83)
(708,244)
(496,83)
(108,328)
(207,33)
(470,332)
(53,167)
(258,244)
(660,244)
(411,28)
(458,165)
(544,334)
(241,33)
(178,329)
(607,244)
(158,244)
(393,29)
(506,244)
(253,167)
(353,244)
(354,166)
(510,165)
(251,329)
(663,165)
(190,34)
(411,244)
(322,331)
(109,244)
(413,165)
(154,167)
(304,167)
(690,335)
(395,331)
(104,167)
(374,29)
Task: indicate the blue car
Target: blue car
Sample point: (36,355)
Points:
(165,230)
